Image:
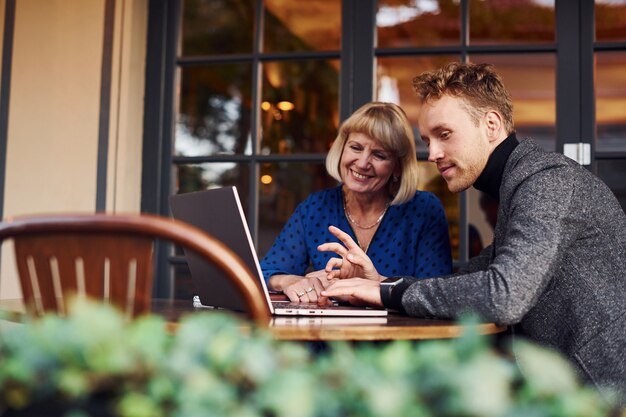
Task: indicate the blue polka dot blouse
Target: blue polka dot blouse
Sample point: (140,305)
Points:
(412,238)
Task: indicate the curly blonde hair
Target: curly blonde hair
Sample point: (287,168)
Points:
(478,85)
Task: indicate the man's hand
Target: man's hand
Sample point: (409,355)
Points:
(357,291)
(353,262)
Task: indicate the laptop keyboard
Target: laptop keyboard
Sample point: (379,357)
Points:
(301,306)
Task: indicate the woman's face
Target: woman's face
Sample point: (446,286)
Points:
(365,166)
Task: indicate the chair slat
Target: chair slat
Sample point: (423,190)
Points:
(35,265)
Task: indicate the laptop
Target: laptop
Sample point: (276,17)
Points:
(219,213)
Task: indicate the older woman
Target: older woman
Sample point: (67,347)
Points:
(402,230)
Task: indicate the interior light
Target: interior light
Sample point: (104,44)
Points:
(266,105)
(266,179)
(285,105)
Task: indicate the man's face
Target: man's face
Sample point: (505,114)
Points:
(458,146)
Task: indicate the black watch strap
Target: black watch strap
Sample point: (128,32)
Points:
(391,290)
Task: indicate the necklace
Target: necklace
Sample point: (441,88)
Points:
(354,222)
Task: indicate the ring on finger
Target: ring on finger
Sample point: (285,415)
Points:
(309,289)
(300,294)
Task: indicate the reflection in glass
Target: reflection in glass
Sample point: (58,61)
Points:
(283,186)
(197,177)
(394,80)
(610,20)
(297,26)
(411,23)
(212,27)
(499,22)
(431,180)
(299,109)
(531,81)
(613,172)
(214,110)
(611,101)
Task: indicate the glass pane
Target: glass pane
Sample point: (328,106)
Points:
(197,177)
(431,180)
(507,22)
(211,27)
(610,20)
(283,186)
(214,110)
(611,101)
(394,81)
(299,110)
(613,172)
(531,81)
(296,25)
(411,23)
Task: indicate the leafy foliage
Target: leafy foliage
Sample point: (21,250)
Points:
(214,365)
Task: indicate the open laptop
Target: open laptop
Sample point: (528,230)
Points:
(219,213)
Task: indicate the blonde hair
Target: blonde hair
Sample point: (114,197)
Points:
(478,85)
(387,124)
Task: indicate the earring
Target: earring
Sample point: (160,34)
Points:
(395,178)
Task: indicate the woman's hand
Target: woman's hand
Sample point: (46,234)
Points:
(353,262)
(300,289)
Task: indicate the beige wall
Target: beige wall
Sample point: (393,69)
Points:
(55,107)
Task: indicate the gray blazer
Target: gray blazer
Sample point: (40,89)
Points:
(557,266)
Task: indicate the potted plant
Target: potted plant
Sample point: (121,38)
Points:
(95,363)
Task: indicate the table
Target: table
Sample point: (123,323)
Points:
(311,328)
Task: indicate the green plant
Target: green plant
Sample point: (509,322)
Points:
(94,363)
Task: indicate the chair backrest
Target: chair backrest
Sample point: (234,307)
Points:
(109,257)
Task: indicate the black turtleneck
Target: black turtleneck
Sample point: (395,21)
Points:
(490,179)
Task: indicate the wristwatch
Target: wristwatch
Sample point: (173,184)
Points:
(386,289)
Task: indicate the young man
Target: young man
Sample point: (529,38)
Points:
(557,265)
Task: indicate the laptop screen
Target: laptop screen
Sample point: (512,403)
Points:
(218,212)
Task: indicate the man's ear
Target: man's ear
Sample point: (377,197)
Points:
(493,124)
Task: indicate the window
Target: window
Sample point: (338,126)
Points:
(517,37)
(257,105)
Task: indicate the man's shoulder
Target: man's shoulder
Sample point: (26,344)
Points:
(529,159)
(544,175)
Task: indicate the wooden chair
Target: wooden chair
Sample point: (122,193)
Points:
(109,257)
